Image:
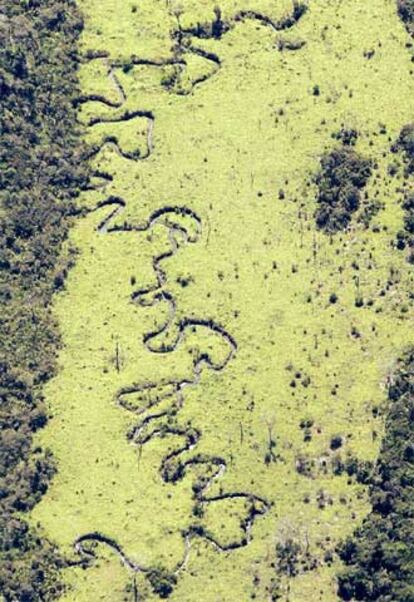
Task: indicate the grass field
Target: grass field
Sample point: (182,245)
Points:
(202,291)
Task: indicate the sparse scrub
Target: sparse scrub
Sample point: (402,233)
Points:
(405,237)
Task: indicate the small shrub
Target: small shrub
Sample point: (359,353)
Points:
(162,582)
(336,442)
(347,136)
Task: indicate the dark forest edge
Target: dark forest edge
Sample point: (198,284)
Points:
(406,13)
(379,558)
(40,177)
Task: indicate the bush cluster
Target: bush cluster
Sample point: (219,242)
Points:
(342,176)
(40,175)
(162,582)
(405,144)
(405,237)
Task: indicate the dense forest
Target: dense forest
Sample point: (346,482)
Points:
(39,178)
(380,557)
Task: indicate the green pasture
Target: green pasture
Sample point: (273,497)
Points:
(238,149)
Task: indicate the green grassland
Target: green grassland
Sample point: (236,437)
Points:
(235,140)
